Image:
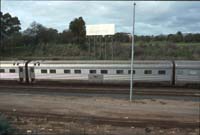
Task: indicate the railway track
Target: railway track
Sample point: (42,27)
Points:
(103,90)
(122,122)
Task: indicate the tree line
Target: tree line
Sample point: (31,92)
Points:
(175,38)
(37,34)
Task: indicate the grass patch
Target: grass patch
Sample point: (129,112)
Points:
(188,44)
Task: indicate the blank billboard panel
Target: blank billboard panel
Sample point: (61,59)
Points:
(100,29)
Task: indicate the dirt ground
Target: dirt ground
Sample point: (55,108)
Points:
(147,110)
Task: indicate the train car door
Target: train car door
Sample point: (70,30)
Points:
(21,74)
(31,74)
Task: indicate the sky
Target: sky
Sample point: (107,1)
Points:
(152,17)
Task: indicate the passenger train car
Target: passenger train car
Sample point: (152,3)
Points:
(187,72)
(114,72)
(102,71)
(11,70)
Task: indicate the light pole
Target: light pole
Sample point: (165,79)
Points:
(132,54)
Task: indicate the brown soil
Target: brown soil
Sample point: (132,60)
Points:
(99,115)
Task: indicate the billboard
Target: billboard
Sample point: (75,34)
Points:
(100,29)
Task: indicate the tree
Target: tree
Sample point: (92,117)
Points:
(66,36)
(171,38)
(47,35)
(122,37)
(196,37)
(9,24)
(31,34)
(179,37)
(188,38)
(159,38)
(78,29)
(37,33)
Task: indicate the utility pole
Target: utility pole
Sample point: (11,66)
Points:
(94,48)
(132,54)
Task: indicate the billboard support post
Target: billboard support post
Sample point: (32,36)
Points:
(105,48)
(94,48)
(89,47)
(100,48)
(100,30)
(112,46)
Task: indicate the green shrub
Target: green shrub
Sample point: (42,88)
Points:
(5,127)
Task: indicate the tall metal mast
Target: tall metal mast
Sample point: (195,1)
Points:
(132,54)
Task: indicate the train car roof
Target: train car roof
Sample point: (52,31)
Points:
(187,64)
(12,63)
(103,63)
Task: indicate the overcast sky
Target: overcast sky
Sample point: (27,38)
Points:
(152,17)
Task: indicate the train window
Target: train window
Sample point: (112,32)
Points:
(77,71)
(32,70)
(119,71)
(129,71)
(147,72)
(161,72)
(104,71)
(93,71)
(20,69)
(43,71)
(52,71)
(66,71)
(180,72)
(12,70)
(193,72)
(2,71)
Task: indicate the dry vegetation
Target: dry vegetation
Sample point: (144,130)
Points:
(121,51)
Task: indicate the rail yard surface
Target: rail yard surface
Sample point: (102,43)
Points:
(51,113)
